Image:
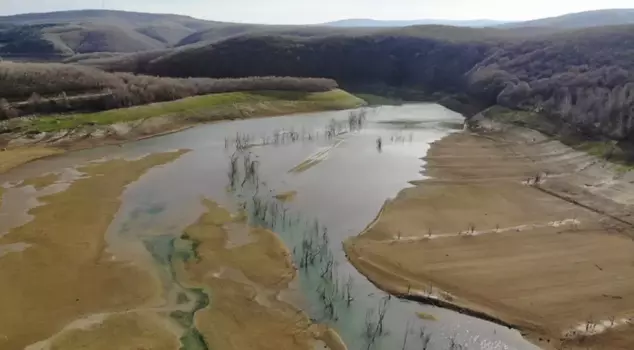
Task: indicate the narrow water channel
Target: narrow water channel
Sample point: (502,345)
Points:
(338,175)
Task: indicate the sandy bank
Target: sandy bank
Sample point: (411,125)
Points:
(244,281)
(477,236)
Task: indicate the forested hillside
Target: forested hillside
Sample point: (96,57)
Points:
(581,78)
(585,78)
(32,88)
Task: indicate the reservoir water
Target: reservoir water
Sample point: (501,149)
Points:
(338,172)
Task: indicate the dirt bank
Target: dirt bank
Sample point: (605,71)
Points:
(554,259)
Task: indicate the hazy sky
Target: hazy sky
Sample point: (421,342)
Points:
(317,11)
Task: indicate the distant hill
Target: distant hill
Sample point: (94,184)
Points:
(67,33)
(73,32)
(582,80)
(64,34)
(362,22)
(231,30)
(581,20)
(119,18)
(587,19)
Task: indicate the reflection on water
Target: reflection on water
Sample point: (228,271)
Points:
(339,183)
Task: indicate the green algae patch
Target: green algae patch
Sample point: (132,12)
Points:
(287,196)
(426,316)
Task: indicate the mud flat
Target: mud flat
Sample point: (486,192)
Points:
(12,158)
(64,275)
(514,228)
(244,282)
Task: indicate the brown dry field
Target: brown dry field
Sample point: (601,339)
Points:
(244,283)
(141,330)
(517,265)
(65,274)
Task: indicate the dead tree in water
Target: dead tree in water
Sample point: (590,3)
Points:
(374,329)
(348,291)
(406,335)
(453,345)
(424,339)
(233,171)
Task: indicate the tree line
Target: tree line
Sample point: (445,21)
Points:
(31,88)
(584,78)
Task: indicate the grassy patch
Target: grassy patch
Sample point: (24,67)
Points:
(377,100)
(610,151)
(254,103)
(597,148)
(527,119)
(621,169)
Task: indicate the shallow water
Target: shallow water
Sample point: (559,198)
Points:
(343,185)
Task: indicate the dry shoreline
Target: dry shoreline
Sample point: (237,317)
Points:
(475,238)
(65,273)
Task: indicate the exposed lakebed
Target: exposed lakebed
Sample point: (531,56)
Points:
(315,180)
